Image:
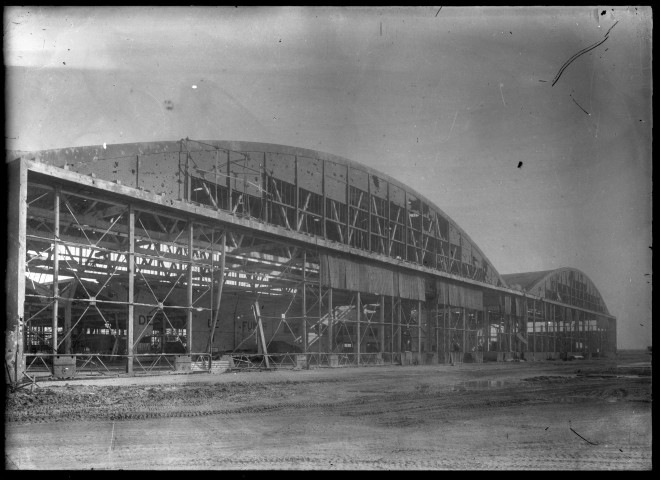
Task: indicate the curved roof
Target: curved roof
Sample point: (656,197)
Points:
(576,287)
(98,153)
(525,281)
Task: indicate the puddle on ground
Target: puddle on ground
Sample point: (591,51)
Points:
(480,384)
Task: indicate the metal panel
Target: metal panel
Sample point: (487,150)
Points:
(358,178)
(280,166)
(246,172)
(159,174)
(335,189)
(378,186)
(336,171)
(203,164)
(478,258)
(310,174)
(466,251)
(125,171)
(397,196)
(454,235)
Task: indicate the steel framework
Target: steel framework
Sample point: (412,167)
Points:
(120,263)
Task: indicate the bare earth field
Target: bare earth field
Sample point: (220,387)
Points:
(586,415)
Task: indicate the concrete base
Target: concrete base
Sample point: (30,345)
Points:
(64,366)
(301,362)
(182,363)
(334,360)
(406,358)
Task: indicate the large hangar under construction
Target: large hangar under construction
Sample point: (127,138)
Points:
(189,255)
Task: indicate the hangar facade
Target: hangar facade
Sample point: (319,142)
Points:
(172,255)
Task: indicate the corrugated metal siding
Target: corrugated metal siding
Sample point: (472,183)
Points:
(459,296)
(345,274)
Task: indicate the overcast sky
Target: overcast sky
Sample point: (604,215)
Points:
(449,101)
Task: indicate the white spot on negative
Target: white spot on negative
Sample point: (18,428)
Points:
(194,86)
(104,146)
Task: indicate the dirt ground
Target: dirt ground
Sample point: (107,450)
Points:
(581,415)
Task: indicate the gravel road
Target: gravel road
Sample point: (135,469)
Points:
(555,415)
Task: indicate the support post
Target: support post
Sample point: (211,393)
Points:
(262,338)
(56,266)
(533,324)
(419,331)
(555,328)
(437,335)
(398,336)
(331,321)
(67,316)
(189,313)
(131,290)
(381,330)
(219,297)
(15,267)
(304,300)
(358,309)
(464,314)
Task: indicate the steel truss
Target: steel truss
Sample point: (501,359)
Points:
(132,286)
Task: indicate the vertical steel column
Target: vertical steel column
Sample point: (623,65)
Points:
(56,265)
(331,321)
(221,283)
(297,196)
(369,202)
(553,321)
(189,313)
(391,329)
(348,205)
(381,333)
(17,184)
(230,207)
(444,326)
(419,332)
(464,315)
(304,296)
(437,338)
(399,332)
(320,323)
(325,233)
(67,326)
(508,320)
(67,317)
(533,324)
(264,191)
(405,225)
(131,290)
(188,175)
(358,308)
